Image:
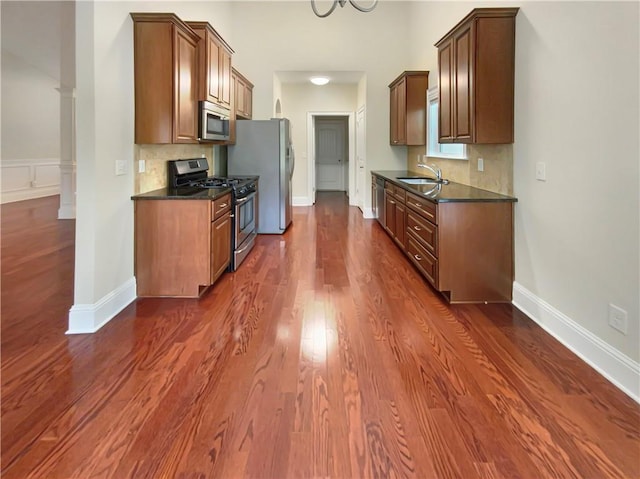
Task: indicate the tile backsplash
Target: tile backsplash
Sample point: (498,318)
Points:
(498,167)
(155,158)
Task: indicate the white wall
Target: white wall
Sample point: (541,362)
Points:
(105,117)
(28,91)
(577,234)
(298,100)
(577,110)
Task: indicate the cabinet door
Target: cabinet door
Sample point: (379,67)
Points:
(401,223)
(185,95)
(248,101)
(232,107)
(240,96)
(220,245)
(213,67)
(445,64)
(398,113)
(393,115)
(389,212)
(463,81)
(225,78)
(401,122)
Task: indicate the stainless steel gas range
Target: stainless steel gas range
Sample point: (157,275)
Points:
(189,177)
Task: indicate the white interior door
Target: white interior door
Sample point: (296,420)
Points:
(331,154)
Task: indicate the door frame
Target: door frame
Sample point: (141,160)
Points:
(311,152)
(361,155)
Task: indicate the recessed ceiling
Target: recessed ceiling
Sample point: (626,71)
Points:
(351,77)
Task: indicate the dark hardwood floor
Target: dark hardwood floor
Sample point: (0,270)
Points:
(324,355)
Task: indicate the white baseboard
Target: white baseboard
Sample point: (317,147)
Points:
(622,371)
(30,194)
(67,212)
(368,213)
(301,201)
(88,318)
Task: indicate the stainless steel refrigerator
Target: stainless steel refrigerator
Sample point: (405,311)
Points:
(263,147)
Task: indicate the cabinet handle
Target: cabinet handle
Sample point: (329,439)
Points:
(392,202)
(418,257)
(223,205)
(417,228)
(418,205)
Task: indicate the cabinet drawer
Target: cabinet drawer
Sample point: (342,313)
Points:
(423,206)
(400,194)
(220,205)
(425,262)
(423,230)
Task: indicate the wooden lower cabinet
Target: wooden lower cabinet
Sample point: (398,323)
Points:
(181,246)
(463,248)
(395,213)
(220,245)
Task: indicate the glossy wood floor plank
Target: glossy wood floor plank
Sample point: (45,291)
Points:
(325,355)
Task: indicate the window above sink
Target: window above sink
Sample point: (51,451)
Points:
(453,151)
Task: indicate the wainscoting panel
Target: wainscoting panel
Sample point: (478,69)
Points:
(28,179)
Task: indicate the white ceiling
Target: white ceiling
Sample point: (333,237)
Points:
(31,31)
(334,76)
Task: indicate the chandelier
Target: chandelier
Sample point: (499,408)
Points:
(342,2)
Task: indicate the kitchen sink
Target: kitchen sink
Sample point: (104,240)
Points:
(423,181)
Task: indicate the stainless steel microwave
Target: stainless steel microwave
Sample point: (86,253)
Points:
(213,123)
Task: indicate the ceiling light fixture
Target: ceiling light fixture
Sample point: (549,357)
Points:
(319,80)
(342,3)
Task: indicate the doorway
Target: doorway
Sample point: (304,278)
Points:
(331,153)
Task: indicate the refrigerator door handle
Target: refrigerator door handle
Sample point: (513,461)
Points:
(293,160)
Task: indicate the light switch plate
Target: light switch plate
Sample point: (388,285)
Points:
(541,171)
(142,167)
(121,167)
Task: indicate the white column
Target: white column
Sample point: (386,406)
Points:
(67,208)
(67,111)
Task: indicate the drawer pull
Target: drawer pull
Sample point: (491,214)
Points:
(223,205)
(417,228)
(418,257)
(418,205)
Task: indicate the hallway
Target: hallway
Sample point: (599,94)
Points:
(324,355)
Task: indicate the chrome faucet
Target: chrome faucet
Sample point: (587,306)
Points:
(434,169)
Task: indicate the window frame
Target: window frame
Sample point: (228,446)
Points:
(434,149)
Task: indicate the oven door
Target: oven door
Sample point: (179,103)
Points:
(245,218)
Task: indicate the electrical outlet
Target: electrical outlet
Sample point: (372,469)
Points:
(142,166)
(618,318)
(541,171)
(418,158)
(121,167)
(480,164)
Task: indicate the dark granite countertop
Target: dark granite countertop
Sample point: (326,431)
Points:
(440,193)
(188,193)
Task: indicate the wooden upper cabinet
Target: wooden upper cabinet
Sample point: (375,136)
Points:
(243,95)
(408,108)
(214,59)
(476,65)
(166,71)
(232,116)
